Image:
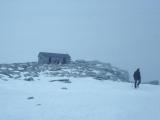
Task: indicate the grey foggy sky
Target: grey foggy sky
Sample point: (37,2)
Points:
(125,33)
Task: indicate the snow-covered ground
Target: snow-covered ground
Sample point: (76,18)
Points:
(82,99)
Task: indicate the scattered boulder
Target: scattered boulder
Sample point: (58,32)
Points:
(61,80)
(34,74)
(30,98)
(29,79)
(6,73)
(39,104)
(154,82)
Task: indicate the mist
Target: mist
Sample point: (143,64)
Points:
(124,33)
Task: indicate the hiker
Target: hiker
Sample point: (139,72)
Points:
(137,78)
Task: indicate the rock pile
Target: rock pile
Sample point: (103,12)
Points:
(78,68)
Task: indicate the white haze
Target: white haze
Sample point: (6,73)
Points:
(125,33)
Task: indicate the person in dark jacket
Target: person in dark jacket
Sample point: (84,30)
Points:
(137,78)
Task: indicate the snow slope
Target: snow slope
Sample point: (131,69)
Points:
(83,99)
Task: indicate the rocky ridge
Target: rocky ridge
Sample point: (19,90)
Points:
(79,68)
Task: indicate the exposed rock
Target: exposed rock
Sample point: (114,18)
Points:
(29,79)
(39,104)
(26,75)
(78,68)
(154,82)
(61,80)
(30,98)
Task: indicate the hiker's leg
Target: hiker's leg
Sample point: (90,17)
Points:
(135,84)
(139,82)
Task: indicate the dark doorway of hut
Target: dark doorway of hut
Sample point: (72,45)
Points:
(64,61)
(50,60)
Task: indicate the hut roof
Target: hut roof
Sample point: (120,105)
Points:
(46,54)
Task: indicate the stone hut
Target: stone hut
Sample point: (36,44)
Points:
(53,58)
